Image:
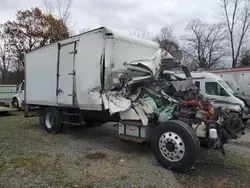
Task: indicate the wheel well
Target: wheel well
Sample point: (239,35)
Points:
(14,98)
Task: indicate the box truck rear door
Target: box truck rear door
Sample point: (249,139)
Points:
(66,79)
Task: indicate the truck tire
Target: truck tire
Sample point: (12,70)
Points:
(50,120)
(15,104)
(175,145)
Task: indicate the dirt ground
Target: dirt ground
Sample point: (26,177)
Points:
(95,157)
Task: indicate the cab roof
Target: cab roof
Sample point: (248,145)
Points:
(202,75)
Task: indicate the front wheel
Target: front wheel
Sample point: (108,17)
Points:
(15,104)
(175,146)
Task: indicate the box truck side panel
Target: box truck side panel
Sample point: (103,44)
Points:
(239,81)
(40,75)
(124,49)
(129,50)
(88,74)
(232,80)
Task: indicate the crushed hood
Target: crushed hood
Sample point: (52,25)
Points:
(142,69)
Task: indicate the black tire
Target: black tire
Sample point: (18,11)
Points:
(244,120)
(15,104)
(190,141)
(55,124)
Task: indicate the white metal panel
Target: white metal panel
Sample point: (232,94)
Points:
(88,77)
(122,50)
(66,69)
(41,71)
(130,50)
(239,81)
(7,92)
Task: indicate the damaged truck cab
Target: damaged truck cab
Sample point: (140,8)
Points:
(101,76)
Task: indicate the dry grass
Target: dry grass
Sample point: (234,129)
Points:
(32,158)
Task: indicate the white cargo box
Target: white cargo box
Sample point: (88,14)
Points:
(74,72)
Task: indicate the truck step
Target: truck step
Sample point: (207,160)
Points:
(70,114)
(132,138)
(69,123)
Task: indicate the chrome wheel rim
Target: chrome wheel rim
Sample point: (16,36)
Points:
(49,120)
(172,146)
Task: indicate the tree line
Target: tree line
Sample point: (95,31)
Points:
(210,45)
(203,46)
(30,30)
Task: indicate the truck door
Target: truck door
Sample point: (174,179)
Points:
(21,92)
(66,73)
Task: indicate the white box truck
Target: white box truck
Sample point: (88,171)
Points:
(82,81)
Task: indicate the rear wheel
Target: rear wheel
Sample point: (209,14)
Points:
(50,120)
(175,146)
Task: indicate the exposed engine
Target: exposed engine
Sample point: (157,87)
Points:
(154,97)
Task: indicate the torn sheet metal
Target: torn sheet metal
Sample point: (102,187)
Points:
(129,114)
(166,113)
(140,105)
(183,85)
(163,113)
(135,113)
(116,102)
(142,114)
(105,102)
(152,63)
(146,68)
(148,105)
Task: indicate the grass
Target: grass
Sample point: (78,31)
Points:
(23,148)
(21,161)
(231,160)
(96,155)
(3,168)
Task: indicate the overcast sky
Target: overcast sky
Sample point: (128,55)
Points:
(125,15)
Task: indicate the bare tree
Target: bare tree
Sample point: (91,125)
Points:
(140,33)
(166,33)
(235,15)
(61,9)
(5,64)
(245,57)
(169,42)
(205,43)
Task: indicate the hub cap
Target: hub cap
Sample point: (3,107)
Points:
(49,120)
(172,146)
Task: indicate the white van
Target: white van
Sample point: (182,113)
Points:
(214,88)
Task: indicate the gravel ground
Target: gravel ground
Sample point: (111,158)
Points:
(95,157)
